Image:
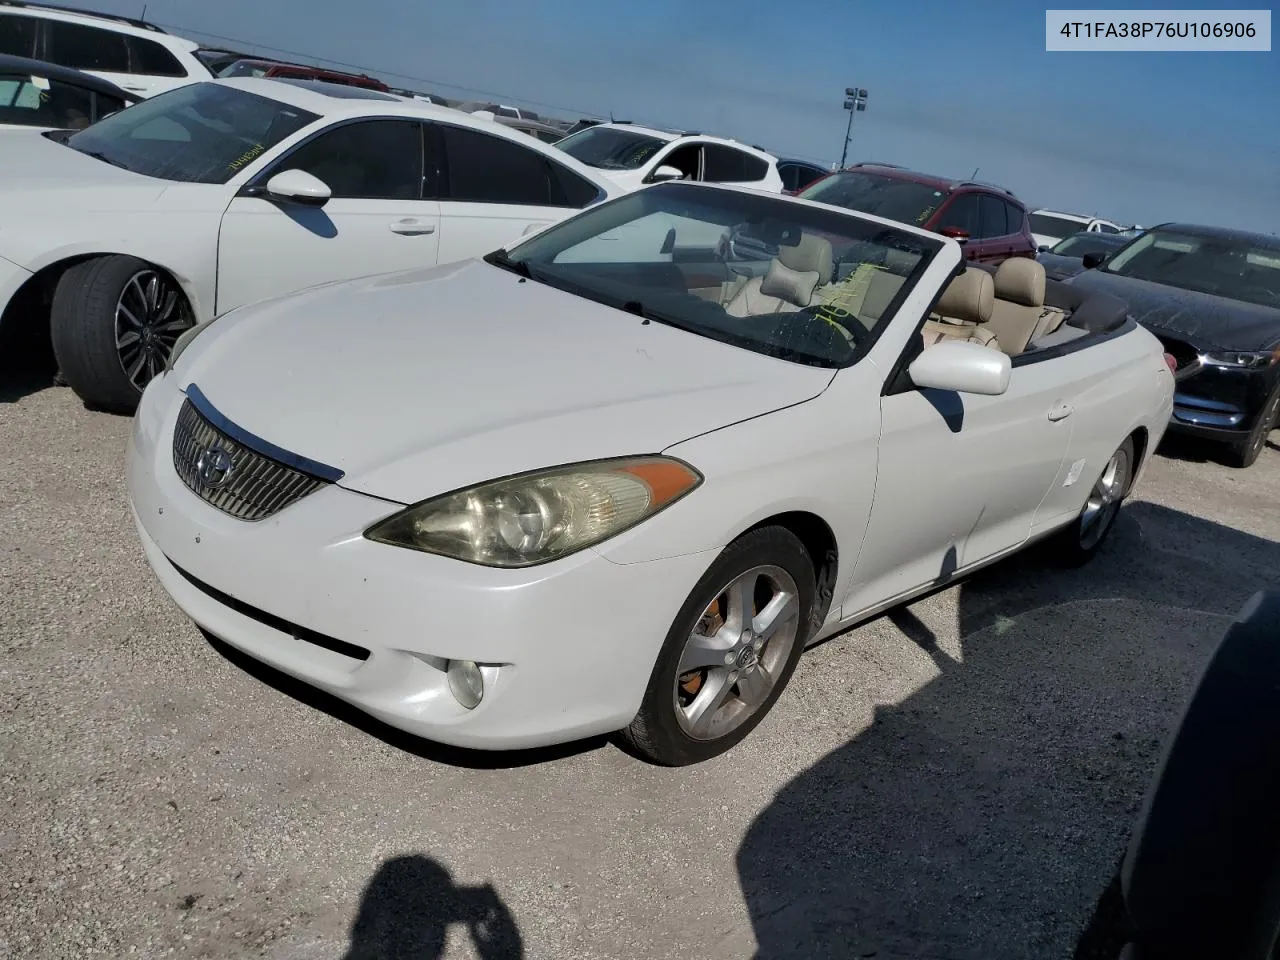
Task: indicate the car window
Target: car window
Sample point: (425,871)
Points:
(151,59)
(365,160)
(18,35)
(1015,216)
(790,175)
(1051,226)
(686,159)
(39,102)
(789,306)
(890,197)
(104,106)
(723,164)
(610,148)
(1108,228)
(961,213)
(87,48)
(487,169)
(992,219)
(197,133)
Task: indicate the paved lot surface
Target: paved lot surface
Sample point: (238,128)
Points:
(955,780)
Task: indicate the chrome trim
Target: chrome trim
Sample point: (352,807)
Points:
(255,443)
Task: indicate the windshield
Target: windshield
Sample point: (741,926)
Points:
(760,272)
(903,200)
(1078,244)
(33,101)
(1049,226)
(1230,267)
(199,133)
(610,148)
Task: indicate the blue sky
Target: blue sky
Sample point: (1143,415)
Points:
(1137,137)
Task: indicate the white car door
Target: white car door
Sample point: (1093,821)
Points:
(960,478)
(495,190)
(376,221)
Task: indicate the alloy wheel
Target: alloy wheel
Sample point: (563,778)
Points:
(732,660)
(151,314)
(1104,500)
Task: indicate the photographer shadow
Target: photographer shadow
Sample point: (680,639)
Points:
(410,904)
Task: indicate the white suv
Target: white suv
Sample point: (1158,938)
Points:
(633,156)
(133,54)
(1050,226)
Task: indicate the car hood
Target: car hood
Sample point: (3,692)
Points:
(1058,267)
(35,166)
(418,383)
(1205,319)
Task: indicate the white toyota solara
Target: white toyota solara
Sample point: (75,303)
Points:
(579,486)
(119,237)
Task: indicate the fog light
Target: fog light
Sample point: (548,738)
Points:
(466,683)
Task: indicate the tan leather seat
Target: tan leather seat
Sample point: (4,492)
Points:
(793,276)
(963,311)
(1019,302)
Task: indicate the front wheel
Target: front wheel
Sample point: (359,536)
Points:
(1078,543)
(730,652)
(114,322)
(1245,452)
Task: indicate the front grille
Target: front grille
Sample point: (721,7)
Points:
(231,476)
(1183,353)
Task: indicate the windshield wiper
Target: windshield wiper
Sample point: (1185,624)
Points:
(520,268)
(99,155)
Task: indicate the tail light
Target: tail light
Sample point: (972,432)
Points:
(1171,363)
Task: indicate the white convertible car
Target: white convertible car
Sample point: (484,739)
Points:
(540,496)
(123,235)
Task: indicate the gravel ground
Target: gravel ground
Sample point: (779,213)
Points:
(953,780)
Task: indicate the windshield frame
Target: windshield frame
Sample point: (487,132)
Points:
(1221,243)
(141,113)
(533,258)
(636,137)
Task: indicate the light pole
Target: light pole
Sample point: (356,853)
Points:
(855,100)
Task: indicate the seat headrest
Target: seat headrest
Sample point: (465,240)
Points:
(812,253)
(1021,281)
(969,297)
(900,262)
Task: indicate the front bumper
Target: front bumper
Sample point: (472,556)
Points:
(569,646)
(1220,403)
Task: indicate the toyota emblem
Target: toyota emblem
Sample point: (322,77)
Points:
(214,466)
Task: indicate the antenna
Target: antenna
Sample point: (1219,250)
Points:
(975,173)
(144,12)
(611,116)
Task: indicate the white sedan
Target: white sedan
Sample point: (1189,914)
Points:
(540,496)
(123,235)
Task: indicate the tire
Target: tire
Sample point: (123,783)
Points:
(674,727)
(114,322)
(1245,453)
(1078,543)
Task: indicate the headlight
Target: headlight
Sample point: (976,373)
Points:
(538,517)
(1248,359)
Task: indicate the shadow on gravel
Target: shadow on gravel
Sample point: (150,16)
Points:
(411,902)
(1178,446)
(25,368)
(425,749)
(984,816)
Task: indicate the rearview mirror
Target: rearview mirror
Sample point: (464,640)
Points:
(955,233)
(962,367)
(298,186)
(666,172)
(1092,260)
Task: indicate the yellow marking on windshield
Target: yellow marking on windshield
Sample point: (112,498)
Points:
(246,157)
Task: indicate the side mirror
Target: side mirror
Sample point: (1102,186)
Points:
(962,367)
(298,186)
(666,172)
(955,233)
(1043,248)
(1091,260)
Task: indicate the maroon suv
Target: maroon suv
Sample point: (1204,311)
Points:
(989,221)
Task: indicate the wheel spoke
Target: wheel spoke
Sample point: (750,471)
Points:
(127,339)
(153,294)
(702,652)
(132,320)
(754,687)
(136,285)
(780,609)
(136,367)
(741,598)
(165,310)
(702,712)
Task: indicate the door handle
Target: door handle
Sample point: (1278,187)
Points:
(1061,410)
(411,227)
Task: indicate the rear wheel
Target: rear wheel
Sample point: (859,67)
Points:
(730,652)
(114,322)
(1245,453)
(1078,543)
